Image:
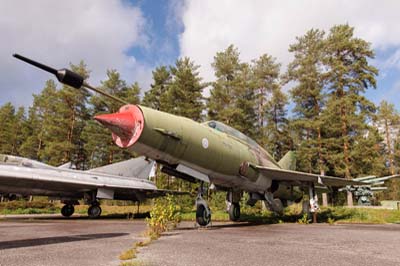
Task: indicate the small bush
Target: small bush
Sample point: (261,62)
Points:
(164,216)
(303,219)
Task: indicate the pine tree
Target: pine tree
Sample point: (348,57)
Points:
(98,143)
(161,81)
(389,119)
(221,103)
(307,72)
(39,122)
(11,129)
(348,74)
(270,107)
(266,75)
(63,141)
(278,135)
(184,94)
(232,97)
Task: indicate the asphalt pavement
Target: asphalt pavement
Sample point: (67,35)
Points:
(277,244)
(53,240)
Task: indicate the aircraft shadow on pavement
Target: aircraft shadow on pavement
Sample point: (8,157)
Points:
(79,217)
(218,226)
(54,240)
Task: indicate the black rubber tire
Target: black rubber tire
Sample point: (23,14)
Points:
(67,210)
(234,212)
(94,211)
(201,215)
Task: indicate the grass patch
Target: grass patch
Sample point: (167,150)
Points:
(144,243)
(28,207)
(43,206)
(132,263)
(293,214)
(128,254)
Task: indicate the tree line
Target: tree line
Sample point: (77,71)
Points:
(333,127)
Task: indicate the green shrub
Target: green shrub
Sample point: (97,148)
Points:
(164,216)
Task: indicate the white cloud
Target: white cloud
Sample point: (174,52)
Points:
(55,33)
(393,61)
(258,27)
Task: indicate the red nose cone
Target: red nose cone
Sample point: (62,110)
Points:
(126,125)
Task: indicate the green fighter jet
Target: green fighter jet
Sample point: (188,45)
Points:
(209,152)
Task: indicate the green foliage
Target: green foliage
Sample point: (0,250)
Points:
(304,219)
(333,128)
(97,141)
(308,97)
(28,207)
(154,98)
(164,216)
(232,95)
(12,132)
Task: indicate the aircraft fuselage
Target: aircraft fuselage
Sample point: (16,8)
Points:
(183,143)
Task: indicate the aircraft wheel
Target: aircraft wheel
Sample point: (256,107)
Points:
(234,212)
(67,210)
(203,216)
(94,211)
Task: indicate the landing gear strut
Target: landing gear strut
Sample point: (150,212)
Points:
(203,212)
(67,210)
(314,207)
(94,210)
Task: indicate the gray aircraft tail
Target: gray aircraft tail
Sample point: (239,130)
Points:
(138,167)
(288,162)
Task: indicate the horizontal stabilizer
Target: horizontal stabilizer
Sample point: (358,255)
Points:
(139,167)
(67,165)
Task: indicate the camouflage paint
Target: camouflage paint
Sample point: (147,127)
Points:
(177,140)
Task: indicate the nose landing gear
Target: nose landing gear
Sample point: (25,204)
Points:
(203,212)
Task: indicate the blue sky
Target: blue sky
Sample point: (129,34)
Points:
(136,36)
(163,28)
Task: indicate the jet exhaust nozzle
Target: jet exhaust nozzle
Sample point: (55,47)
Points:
(126,125)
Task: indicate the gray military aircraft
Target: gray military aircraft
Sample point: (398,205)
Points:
(126,180)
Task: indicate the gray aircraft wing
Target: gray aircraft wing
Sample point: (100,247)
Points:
(116,181)
(301,177)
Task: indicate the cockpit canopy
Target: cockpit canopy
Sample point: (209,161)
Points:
(230,131)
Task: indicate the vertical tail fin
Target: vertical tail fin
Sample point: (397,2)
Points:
(288,162)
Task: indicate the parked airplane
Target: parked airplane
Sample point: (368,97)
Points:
(209,152)
(126,180)
(364,193)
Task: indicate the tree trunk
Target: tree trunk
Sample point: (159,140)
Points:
(345,147)
(388,143)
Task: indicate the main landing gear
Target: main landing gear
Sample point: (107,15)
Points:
(203,212)
(232,205)
(94,210)
(67,210)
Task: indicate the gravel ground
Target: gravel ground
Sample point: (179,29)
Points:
(278,244)
(52,240)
